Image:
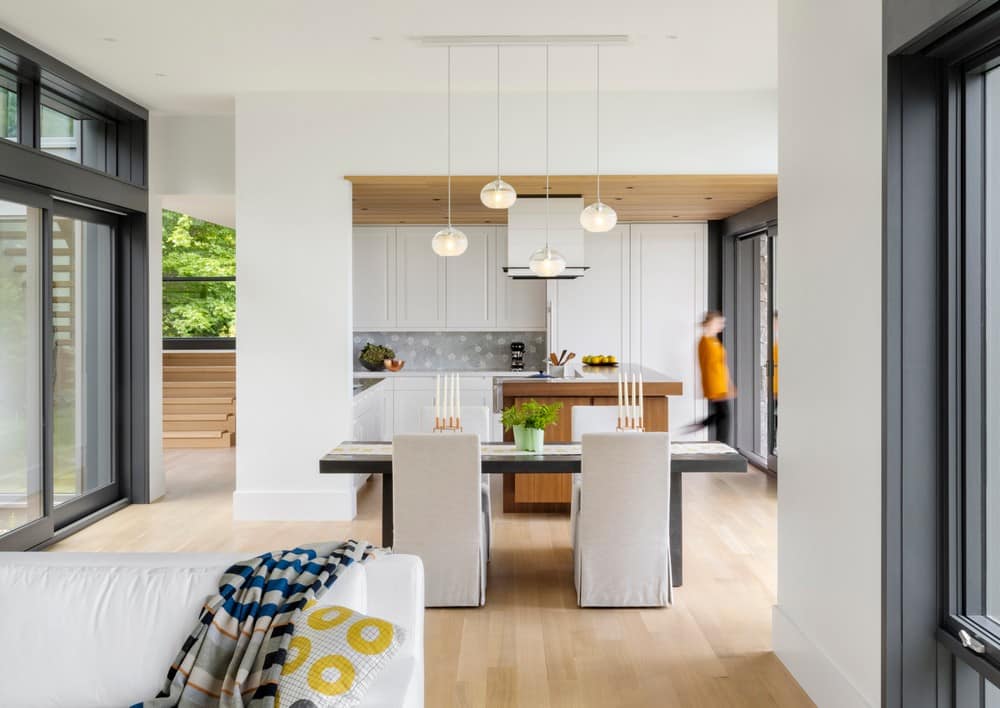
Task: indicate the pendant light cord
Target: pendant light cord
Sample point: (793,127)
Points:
(547,250)
(598,123)
(449,137)
(498,115)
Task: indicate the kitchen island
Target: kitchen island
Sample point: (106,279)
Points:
(594,386)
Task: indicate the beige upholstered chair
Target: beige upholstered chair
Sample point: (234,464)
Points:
(622,524)
(475,419)
(438,514)
(587,419)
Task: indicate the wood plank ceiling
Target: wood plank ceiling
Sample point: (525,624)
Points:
(649,198)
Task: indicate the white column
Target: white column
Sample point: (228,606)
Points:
(293,315)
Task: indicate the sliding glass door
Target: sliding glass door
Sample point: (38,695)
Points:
(82,298)
(21,447)
(756,348)
(57,365)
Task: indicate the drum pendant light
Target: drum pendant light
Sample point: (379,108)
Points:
(449,241)
(498,194)
(598,217)
(547,262)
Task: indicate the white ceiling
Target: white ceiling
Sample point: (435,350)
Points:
(217,208)
(188,56)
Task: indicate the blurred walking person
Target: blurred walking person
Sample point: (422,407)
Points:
(716,384)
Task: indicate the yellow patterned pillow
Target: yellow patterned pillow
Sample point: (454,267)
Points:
(333,657)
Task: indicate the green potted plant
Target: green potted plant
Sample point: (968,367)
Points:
(529,421)
(373,356)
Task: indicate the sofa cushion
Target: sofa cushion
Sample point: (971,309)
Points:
(112,623)
(335,655)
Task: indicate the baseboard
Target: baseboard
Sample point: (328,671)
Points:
(301,505)
(818,675)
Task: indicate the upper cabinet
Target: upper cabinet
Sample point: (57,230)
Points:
(401,284)
(420,290)
(470,281)
(374,257)
(520,303)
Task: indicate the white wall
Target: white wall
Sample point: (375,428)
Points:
(294,235)
(188,155)
(827,624)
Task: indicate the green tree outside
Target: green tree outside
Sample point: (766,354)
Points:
(191,248)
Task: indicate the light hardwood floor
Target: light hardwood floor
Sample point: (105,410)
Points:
(530,645)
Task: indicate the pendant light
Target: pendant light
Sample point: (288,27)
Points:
(598,217)
(498,194)
(547,262)
(449,241)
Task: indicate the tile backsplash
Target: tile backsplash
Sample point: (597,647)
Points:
(471,351)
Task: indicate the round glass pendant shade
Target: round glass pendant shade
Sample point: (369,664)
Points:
(598,217)
(547,263)
(498,195)
(449,241)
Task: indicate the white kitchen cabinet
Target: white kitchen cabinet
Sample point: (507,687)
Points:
(420,276)
(374,262)
(590,315)
(668,294)
(521,304)
(471,282)
(642,299)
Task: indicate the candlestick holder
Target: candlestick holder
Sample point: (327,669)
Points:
(630,425)
(447,425)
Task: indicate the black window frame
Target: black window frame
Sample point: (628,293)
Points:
(933,508)
(118,198)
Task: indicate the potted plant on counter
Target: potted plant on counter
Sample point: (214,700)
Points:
(529,421)
(373,356)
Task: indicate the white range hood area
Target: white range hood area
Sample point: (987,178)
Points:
(526,220)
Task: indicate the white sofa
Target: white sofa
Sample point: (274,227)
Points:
(86,630)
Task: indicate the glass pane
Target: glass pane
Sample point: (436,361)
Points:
(8,106)
(199,309)
(82,321)
(61,134)
(192,247)
(20,366)
(992,482)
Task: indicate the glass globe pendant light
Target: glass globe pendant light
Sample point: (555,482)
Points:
(449,241)
(547,262)
(598,217)
(498,194)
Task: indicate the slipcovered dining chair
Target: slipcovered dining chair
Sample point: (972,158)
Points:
(475,419)
(584,420)
(438,514)
(622,525)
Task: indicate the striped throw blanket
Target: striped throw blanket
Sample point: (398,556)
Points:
(235,654)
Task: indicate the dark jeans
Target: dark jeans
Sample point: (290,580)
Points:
(718,414)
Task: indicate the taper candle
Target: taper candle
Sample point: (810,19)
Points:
(458,396)
(642,400)
(620,393)
(437,398)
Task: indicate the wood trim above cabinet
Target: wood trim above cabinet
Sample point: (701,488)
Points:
(408,199)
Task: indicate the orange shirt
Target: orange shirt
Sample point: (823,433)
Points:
(714,372)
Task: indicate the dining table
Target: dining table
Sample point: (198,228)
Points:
(368,457)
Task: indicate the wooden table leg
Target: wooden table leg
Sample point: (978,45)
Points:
(387,511)
(676,528)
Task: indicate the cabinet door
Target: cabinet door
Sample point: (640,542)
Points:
(590,314)
(420,290)
(471,282)
(407,405)
(374,262)
(669,296)
(521,304)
